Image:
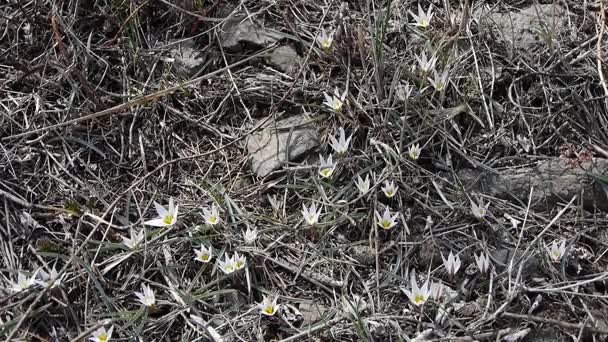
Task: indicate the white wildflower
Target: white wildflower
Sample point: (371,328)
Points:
(311,215)
(203,255)
(269,307)
(101,335)
(414,151)
(425,64)
(440,83)
(166,217)
(135,240)
(239,261)
(23,282)
(389,189)
(418,295)
(146,297)
(227,266)
(211,216)
(325,39)
(386,221)
(47,278)
(336,101)
(479,210)
(341,144)
(326,167)
(363,185)
(452,263)
(436,291)
(556,252)
(250,235)
(483,262)
(423,19)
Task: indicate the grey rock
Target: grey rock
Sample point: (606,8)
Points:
(312,312)
(241,30)
(268,146)
(532,263)
(554,181)
(527,27)
(363,254)
(186,60)
(285,58)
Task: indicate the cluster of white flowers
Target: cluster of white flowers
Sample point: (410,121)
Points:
(232,264)
(39,277)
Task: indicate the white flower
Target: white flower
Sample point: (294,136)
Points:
(335,102)
(101,335)
(146,297)
(269,307)
(239,261)
(203,255)
(212,216)
(166,217)
(426,65)
(483,262)
(404,91)
(436,291)
(386,221)
(451,264)
(325,40)
(311,215)
(440,83)
(340,145)
(136,238)
(363,185)
(389,189)
(479,210)
(23,282)
(414,151)
(423,19)
(250,235)
(326,167)
(556,252)
(227,266)
(418,295)
(47,278)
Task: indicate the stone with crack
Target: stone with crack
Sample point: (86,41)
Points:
(280,141)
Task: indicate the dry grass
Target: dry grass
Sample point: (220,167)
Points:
(95,125)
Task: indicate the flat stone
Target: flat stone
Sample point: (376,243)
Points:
(186,60)
(240,31)
(527,27)
(268,146)
(312,312)
(554,181)
(284,58)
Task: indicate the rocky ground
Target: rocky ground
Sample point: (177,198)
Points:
(230,110)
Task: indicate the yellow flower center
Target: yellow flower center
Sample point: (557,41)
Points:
(419,299)
(168,219)
(103,337)
(338,106)
(229,268)
(326,44)
(204,257)
(239,264)
(213,219)
(386,224)
(390,193)
(326,172)
(424,23)
(269,310)
(440,86)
